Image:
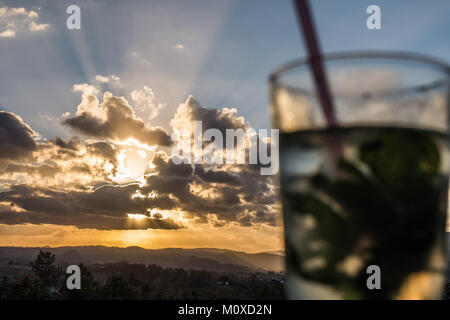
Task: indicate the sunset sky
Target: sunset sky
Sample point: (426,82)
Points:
(86,115)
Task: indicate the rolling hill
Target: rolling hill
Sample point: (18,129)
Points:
(207,259)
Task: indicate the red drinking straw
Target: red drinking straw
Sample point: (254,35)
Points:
(315,61)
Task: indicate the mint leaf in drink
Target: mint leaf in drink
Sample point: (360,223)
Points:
(384,204)
(405,161)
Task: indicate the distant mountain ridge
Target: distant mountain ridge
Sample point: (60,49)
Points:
(202,258)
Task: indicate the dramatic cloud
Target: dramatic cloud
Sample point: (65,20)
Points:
(105,208)
(63,164)
(113,119)
(96,183)
(191,111)
(16,137)
(218,195)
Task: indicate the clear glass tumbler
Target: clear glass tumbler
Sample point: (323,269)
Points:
(365,202)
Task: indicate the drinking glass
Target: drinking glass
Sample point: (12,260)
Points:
(364,202)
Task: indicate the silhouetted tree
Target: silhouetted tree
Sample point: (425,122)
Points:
(117,287)
(138,281)
(25,288)
(45,269)
(5,288)
(199,279)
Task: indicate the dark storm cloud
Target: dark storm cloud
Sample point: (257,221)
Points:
(114,119)
(74,147)
(87,221)
(16,137)
(103,149)
(216,176)
(221,119)
(61,161)
(73,143)
(191,111)
(167,168)
(105,208)
(240,193)
(244,197)
(216,194)
(214,118)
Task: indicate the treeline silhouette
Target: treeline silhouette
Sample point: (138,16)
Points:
(124,280)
